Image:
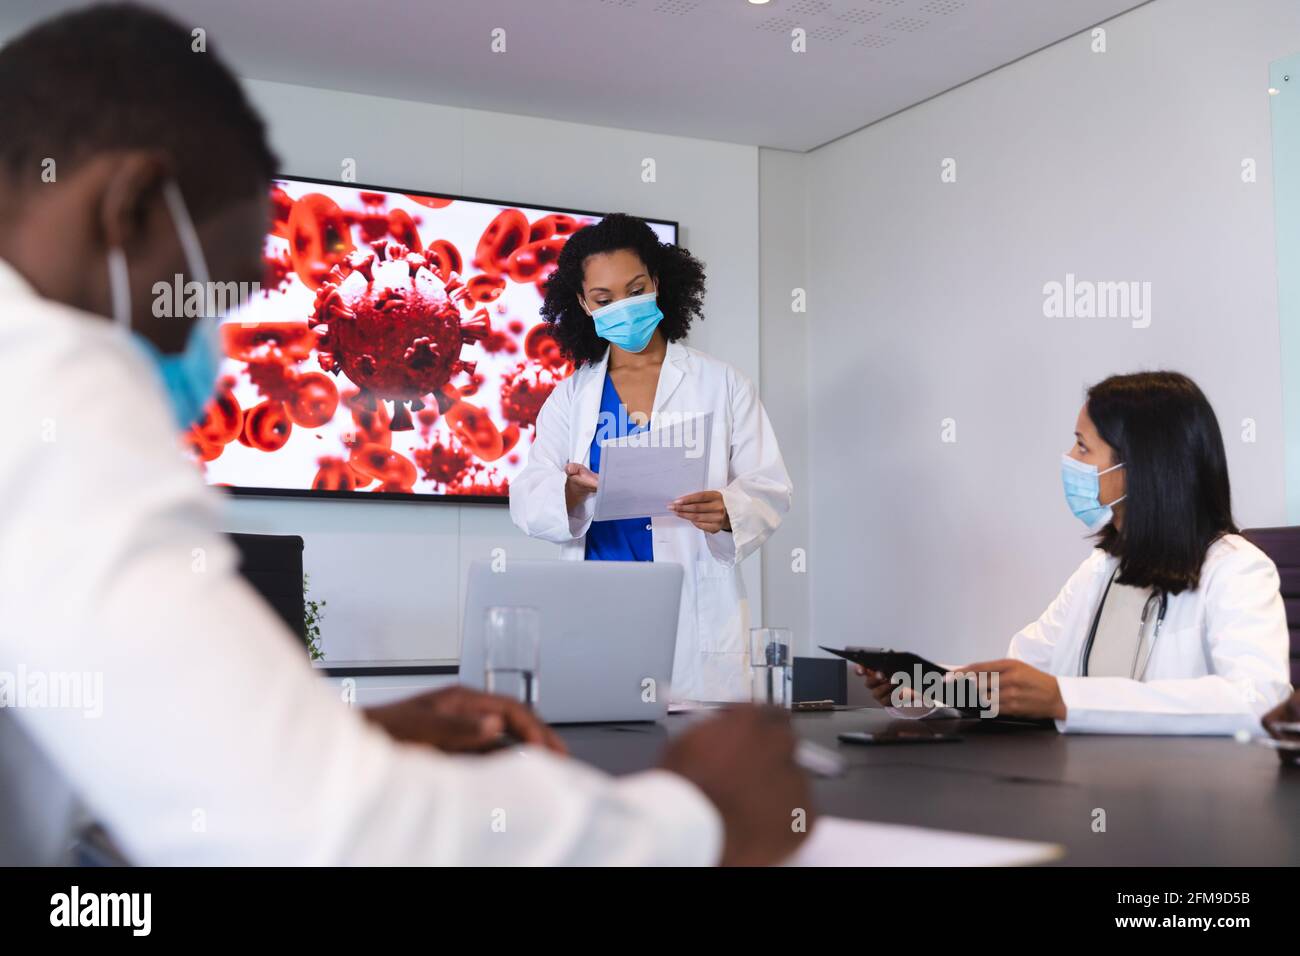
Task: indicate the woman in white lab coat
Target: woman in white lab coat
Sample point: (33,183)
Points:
(618,304)
(1174,624)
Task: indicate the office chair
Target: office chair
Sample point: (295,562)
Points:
(1283,546)
(272,563)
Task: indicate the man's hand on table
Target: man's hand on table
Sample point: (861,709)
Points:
(461,720)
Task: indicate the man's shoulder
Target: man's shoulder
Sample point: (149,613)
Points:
(42,341)
(65,373)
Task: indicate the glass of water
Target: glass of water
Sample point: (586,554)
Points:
(771,660)
(512,639)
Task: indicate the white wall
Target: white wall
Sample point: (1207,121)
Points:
(392,573)
(783,241)
(926,303)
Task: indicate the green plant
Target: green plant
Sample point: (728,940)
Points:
(313,612)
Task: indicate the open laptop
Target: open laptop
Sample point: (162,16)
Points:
(608,632)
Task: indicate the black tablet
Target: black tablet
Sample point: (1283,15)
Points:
(888,662)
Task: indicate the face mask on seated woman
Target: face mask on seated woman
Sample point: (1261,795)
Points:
(1083,492)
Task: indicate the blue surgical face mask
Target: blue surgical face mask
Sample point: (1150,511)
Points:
(629,323)
(1083,492)
(189,375)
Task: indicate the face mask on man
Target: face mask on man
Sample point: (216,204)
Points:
(189,375)
(1083,492)
(629,323)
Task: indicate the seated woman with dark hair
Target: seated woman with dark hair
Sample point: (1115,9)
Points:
(1175,623)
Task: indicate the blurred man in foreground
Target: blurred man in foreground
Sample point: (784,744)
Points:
(129,158)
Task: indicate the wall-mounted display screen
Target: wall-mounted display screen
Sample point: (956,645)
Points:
(394,350)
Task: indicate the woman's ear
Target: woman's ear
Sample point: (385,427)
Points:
(582,305)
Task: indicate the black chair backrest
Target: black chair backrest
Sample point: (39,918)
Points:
(1283,546)
(272,563)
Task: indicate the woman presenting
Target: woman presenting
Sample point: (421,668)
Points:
(618,304)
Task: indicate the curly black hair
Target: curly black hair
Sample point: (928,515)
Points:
(678,275)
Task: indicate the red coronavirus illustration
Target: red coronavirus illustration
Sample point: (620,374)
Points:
(444,464)
(380,359)
(524,390)
(387,322)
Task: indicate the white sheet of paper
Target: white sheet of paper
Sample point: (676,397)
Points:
(693,706)
(835,841)
(641,474)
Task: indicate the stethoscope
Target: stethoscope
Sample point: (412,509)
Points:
(1134,672)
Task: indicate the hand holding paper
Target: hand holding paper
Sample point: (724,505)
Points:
(641,474)
(705,509)
(579,482)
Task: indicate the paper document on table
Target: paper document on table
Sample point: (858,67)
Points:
(640,474)
(835,841)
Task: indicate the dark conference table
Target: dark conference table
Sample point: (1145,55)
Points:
(1178,801)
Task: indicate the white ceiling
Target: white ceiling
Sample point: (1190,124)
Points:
(713,69)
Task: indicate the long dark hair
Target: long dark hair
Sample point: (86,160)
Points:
(1178,502)
(678,274)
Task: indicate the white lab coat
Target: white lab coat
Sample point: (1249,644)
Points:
(1218,664)
(216,742)
(712,657)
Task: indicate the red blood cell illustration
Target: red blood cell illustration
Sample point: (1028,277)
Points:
(387,322)
(202,450)
(534,262)
(503,235)
(524,390)
(444,464)
(281,206)
(509,437)
(222,418)
(315,399)
(335,474)
(444,259)
(319,238)
(516,327)
(267,341)
(557,224)
(433,202)
(266,426)
(476,430)
(395,471)
(540,346)
(485,288)
(402,228)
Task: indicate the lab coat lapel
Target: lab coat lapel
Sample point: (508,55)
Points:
(12,284)
(670,376)
(586,408)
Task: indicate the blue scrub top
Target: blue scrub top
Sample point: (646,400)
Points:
(624,539)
